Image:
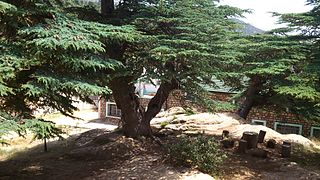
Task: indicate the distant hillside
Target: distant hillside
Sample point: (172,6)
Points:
(248,28)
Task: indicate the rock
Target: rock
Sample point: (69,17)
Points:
(178,121)
(196,176)
(236,132)
(214,124)
(271,143)
(158,121)
(291,164)
(166,131)
(170,112)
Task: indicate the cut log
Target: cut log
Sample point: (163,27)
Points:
(285,150)
(251,138)
(225,134)
(227,143)
(261,136)
(242,148)
(271,143)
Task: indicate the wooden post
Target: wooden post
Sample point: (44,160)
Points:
(271,143)
(225,134)
(261,136)
(243,144)
(251,138)
(285,150)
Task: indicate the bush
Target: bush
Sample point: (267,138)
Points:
(200,152)
(189,112)
(40,128)
(164,124)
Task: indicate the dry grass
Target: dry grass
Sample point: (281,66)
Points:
(20,144)
(16,145)
(50,116)
(316,141)
(307,157)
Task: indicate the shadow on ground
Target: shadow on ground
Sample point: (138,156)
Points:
(95,154)
(99,154)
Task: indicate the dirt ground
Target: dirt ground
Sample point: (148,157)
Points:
(91,153)
(95,154)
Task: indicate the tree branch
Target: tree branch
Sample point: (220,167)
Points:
(155,104)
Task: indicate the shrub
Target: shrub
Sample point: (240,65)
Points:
(189,112)
(40,128)
(164,124)
(200,152)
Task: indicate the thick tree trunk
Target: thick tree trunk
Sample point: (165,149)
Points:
(136,121)
(107,6)
(250,97)
(132,114)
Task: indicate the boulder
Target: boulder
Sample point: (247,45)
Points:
(171,112)
(214,124)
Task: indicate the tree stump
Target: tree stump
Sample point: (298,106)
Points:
(227,143)
(286,143)
(242,148)
(271,143)
(285,150)
(261,136)
(251,138)
(225,134)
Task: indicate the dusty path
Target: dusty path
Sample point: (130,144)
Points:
(87,120)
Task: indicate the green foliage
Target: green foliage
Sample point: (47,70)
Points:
(164,124)
(201,152)
(8,125)
(4,7)
(187,41)
(52,51)
(223,106)
(40,128)
(303,85)
(189,111)
(48,57)
(272,70)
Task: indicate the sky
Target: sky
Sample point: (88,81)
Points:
(261,16)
